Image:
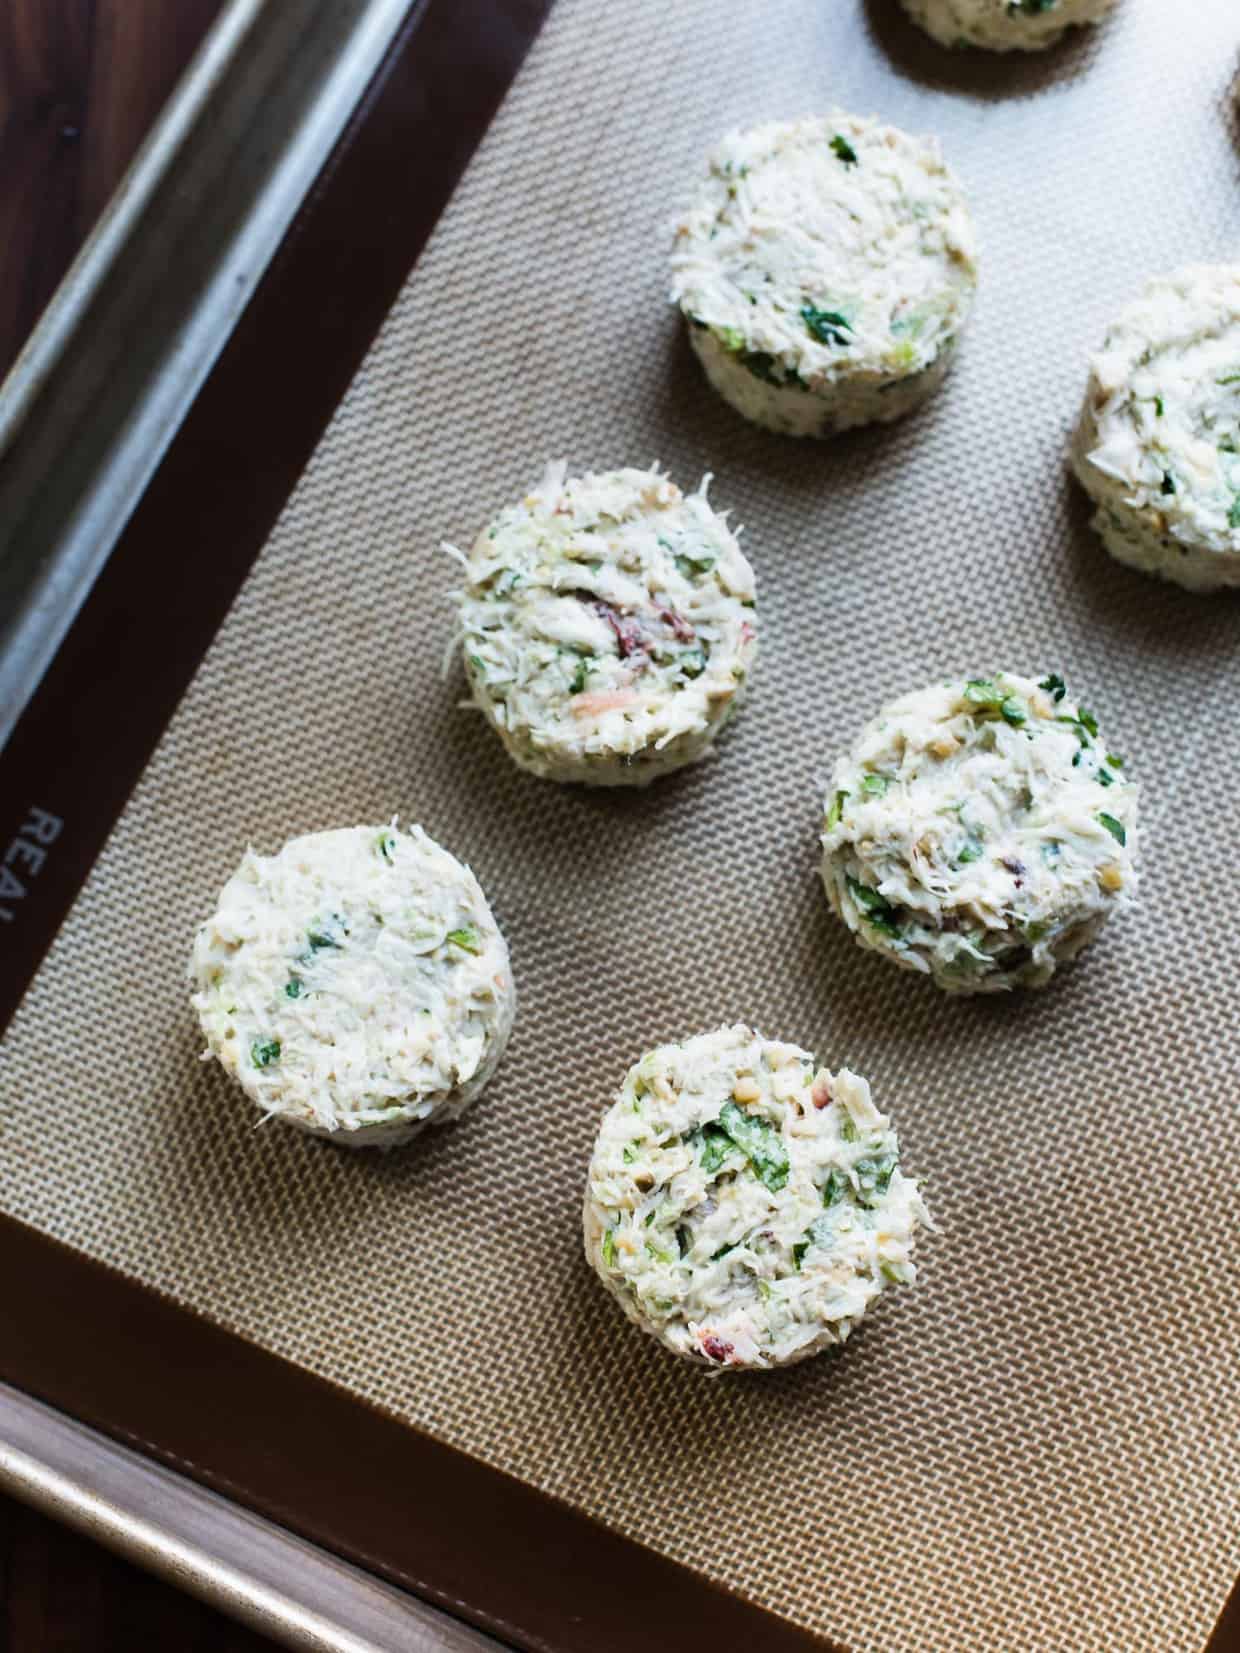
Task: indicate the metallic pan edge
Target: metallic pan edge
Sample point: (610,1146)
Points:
(122,349)
(89,408)
(276,1583)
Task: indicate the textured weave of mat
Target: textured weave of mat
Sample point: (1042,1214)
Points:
(1039,1449)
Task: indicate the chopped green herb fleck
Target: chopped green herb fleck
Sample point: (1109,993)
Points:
(722,1251)
(693,662)
(1233,513)
(884,925)
(716,1146)
(760,1142)
(767,369)
(827,326)
(835,1187)
(980,692)
(1084,723)
(630,1153)
(821,1232)
(386,845)
(689,566)
(972,851)
(467,939)
(1114,827)
(1168,483)
(609,1248)
(1228,379)
(874,1178)
(1054,686)
(836,810)
(581,672)
(1159,409)
(293,987)
(1013,711)
(1114,759)
(1105,777)
(840,146)
(876,785)
(263,1052)
(874,908)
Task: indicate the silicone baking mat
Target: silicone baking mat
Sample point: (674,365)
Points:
(1038,1448)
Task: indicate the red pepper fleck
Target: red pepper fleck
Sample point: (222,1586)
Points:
(747,632)
(716,1347)
(630,638)
(682,631)
(820,1095)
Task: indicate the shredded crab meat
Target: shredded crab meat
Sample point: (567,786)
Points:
(825,270)
(607,626)
(981,832)
(355,983)
(1158,443)
(1004,25)
(744,1205)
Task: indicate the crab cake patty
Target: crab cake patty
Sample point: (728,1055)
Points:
(980,832)
(355,984)
(745,1206)
(825,270)
(608,626)
(1004,25)
(1158,444)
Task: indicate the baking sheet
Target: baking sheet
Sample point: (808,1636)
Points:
(1039,1448)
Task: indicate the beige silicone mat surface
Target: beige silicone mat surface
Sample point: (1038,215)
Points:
(1039,1448)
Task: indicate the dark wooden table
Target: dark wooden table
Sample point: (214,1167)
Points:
(80,83)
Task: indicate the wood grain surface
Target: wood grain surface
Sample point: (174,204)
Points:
(81,81)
